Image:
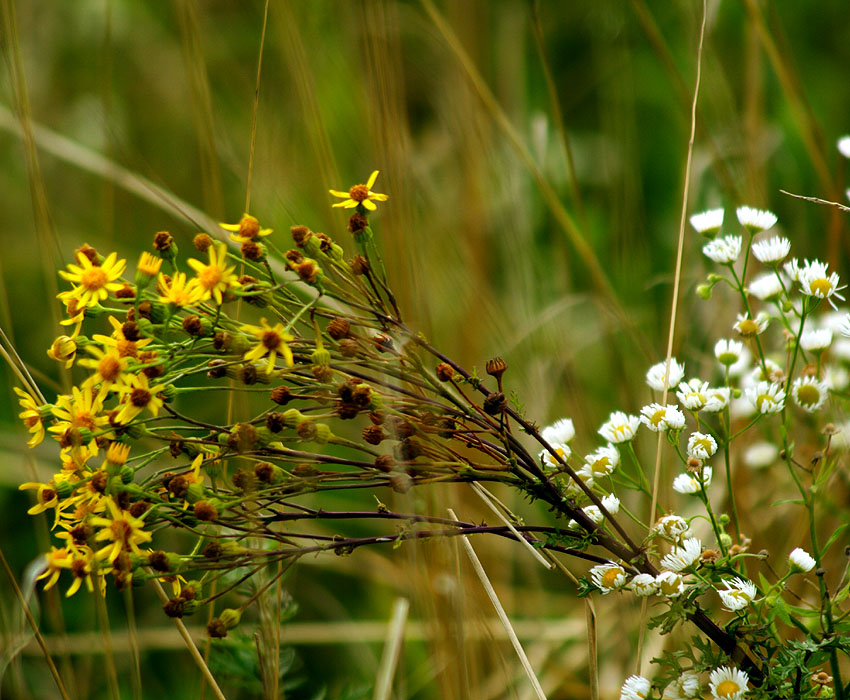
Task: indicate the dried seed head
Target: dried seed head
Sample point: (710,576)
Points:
(694,465)
(339,328)
(294,256)
(139,508)
(158,561)
(179,486)
(163,241)
(126,292)
(243,480)
(175,607)
(374,434)
(247,374)
(383,342)
(204,510)
(349,348)
(445,372)
(264,472)
(212,550)
(357,223)
(401,482)
(218,369)
(275,422)
(99,481)
(300,234)
(202,242)
(385,463)
(281,395)
(130,329)
(193,325)
(242,438)
(307,430)
(251,250)
(408,450)
(89,252)
(496,367)
(308,271)
(495,403)
(359,265)
(216,629)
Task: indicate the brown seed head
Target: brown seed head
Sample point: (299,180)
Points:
(694,465)
(158,561)
(202,242)
(264,472)
(174,607)
(385,463)
(339,328)
(204,510)
(495,403)
(243,480)
(275,421)
(349,347)
(300,234)
(496,367)
(251,250)
(401,482)
(307,430)
(374,434)
(99,481)
(216,629)
(359,265)
(357,223)
(179,486)
(308,271)
(409,449)
(708,555)
(130,329)
(281,395)
(218,369)
(242,438)
(126,292)
(247,374)
(212,550)
(163,241)
(294,256)
(445,372)
(139,508)
(193,326)
(89,252)
(822,678)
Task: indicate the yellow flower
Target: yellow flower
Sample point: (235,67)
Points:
(80,410)
(76,312)
(177,292)
(46,496)
(360,195)
(216,277)
(94,282)
(117,453)
(149,264)
(80,564)
(124,531)
(31,417)
(272,341)
(64,349)
(139,395)
(109,367)
(126,347)
(247,229)
(57,560)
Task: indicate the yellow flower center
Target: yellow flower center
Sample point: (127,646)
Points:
(658,416)
(210,277)
(93,279)
(84,419)
(762,400)
(271,340)
(358,193)
(121,530)
(748,327)
(109,368)
(600,466)
(821,287)
(609,578)
(669,587)
(727,689)
(126,348)
(808,395)
(249,226)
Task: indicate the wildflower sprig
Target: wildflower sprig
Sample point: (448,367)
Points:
(340,393)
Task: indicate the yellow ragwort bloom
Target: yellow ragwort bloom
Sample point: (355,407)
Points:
(149,264)
(63,349)
(93,282)
(46,496)
(57,560)
(139,395)
(272,341)
(126,347)
(79,410)
(76,312)
(177,292)
(247,229)
(125,532)
(31,417)
(215,278)
(360,195)
(109,367)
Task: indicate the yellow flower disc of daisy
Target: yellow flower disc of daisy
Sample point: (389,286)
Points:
(178,292)
(272,341)
(215,278)
(109,367)
(247,229)
(93,282)
(360,195)
(31,417)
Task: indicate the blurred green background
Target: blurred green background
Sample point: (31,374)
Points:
(534,155)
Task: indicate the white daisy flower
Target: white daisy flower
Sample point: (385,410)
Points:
(620,427)
(767,397)
(561,431)
(767,287)
(840,349)
(742,365)
(670,584)
(800,561)
(723,250)
(643,585)
(761,455)
(549,460)
(844,326)
(608,577)
(841,439)
(755,219)
(815,282)
(738,594)
(693,394)
(727,683)
(591,512)
(672,526)
(572,486)
(809,393)
(601,462)
(657,373)
(717,399)
(690,483)
(816,341)
(612,505)
(708,222)
(774,373)
(772,251)
(635,688)
(836,378)
(659,418)
(685,687)
(701,446)
(749,327)
(682,557)
(792,269)
(728,352)
(843,147)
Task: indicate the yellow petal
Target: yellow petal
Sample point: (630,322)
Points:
(369,204)
(372,178)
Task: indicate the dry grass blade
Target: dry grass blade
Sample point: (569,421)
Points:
(500,611)
(392,649)
(816,200)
